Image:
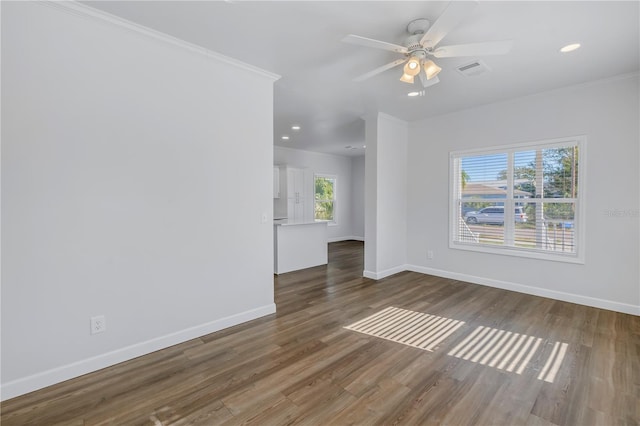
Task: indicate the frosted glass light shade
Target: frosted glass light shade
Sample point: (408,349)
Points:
(431,69)
(412,67)
(406,78)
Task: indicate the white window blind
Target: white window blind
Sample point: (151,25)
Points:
(521,199)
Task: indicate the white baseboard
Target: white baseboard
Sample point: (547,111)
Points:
(336,239)
(56,375)
(369,274)
(383,274)
(535,291)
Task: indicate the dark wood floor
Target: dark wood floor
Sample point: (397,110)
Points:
(300,366)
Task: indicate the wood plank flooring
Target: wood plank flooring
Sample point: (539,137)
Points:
(301,366)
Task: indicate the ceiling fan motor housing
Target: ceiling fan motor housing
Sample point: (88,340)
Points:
(416,28)
(413,42)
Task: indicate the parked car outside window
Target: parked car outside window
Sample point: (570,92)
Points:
(494,214)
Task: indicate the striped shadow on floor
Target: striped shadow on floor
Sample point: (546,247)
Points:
(512,352)
(410,328)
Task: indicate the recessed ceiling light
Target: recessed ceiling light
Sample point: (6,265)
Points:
(295,127)
(570,47)
(364,146)
(412,94)
(285,137)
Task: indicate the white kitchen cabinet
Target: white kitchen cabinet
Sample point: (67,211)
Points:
(295,210)
(296,195)
(295,182)
(295,201)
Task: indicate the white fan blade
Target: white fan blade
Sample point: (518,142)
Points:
(474,49)
(369,42)
(379,70)
(427,83)
(455,12)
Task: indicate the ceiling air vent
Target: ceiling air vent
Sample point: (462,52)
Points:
(473,69)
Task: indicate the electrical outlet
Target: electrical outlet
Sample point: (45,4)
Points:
(98,324)
(430,254)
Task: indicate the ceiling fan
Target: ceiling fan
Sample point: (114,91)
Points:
(422,44)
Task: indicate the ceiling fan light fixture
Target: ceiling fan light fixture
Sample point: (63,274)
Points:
(406,78)
(412,67)
(431,69)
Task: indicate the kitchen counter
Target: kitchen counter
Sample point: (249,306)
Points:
(299,245)
(288,222)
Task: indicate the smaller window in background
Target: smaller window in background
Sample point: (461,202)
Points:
(325,198)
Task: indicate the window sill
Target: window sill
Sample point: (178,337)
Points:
(514,251)
(328,222)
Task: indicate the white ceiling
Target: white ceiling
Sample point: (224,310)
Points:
(301,41)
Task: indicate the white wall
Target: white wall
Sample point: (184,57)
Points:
(127,192)
(607,113)
(371,198)
(386,192)
(357,196)
(317,163)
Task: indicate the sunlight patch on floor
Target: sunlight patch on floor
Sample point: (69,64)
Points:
(550,369)
(509,351)
(501,349)
(410,328)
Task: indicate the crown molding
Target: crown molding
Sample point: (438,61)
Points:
(85,11)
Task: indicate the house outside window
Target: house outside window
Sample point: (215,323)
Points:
(325,198)
(522,200)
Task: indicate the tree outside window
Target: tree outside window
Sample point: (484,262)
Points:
(325,199)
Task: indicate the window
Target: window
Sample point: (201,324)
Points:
(325,198)
(521,200)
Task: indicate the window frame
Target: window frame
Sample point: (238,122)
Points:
(333,221)
(507,248)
